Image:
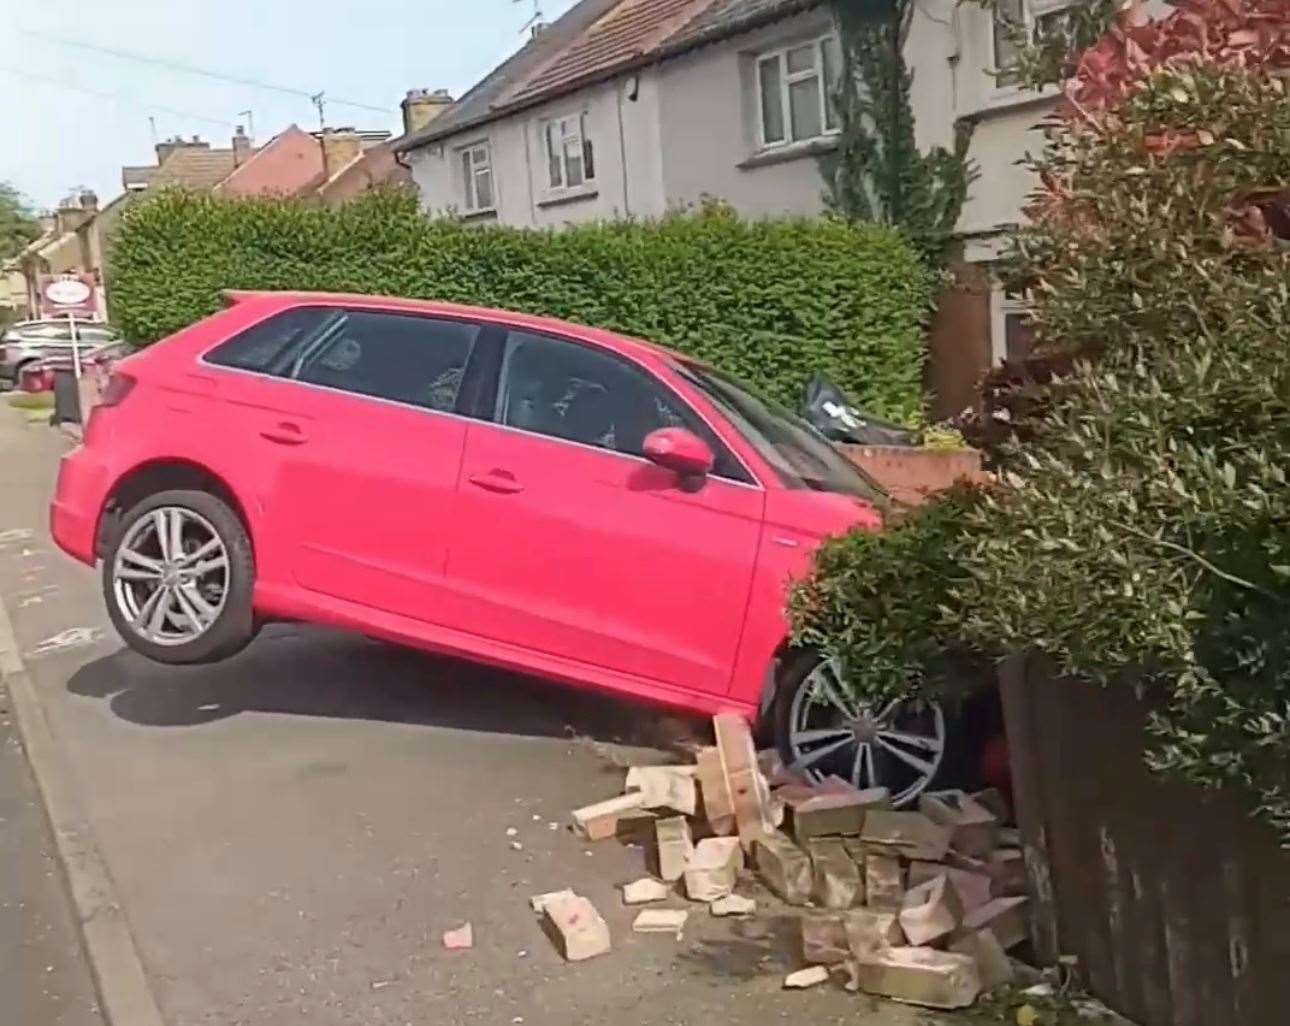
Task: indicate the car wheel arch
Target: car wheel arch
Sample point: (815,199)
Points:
(164,474)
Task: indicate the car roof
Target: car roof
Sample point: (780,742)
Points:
(626,344)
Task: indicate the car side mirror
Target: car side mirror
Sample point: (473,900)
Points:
(680,451)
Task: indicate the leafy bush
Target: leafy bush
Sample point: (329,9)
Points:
(771,301)
(879,602)
(1140,535)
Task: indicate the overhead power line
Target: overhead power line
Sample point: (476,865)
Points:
(34,76)
(192,69)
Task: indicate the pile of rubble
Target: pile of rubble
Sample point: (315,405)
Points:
(921,906)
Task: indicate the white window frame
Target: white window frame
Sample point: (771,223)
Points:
(1032,13)
(1002,307)
(568,129)
(466,155)
(785,80)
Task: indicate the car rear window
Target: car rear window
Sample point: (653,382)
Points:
(270,346)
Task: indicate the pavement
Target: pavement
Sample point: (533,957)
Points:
(44,979)
(283,838)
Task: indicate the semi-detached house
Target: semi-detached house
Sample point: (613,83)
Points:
(637,107)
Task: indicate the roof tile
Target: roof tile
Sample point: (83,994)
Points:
(630,30)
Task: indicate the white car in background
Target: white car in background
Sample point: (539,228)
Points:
(27,341)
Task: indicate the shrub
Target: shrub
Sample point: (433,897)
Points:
(1140,535)
(770,301)
(879,603)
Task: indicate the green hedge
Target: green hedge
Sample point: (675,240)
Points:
(770,301)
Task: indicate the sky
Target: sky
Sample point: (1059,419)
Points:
(73,116)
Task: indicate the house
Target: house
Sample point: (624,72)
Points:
(332,166)
(637,107)
(70,244)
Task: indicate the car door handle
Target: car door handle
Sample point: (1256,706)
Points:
(285,433)
(502,481)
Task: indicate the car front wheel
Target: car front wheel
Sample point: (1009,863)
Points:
(821,730)
(178,578)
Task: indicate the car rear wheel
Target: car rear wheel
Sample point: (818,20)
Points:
(178,577)
(821,730)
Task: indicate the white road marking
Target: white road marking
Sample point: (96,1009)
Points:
(73,637)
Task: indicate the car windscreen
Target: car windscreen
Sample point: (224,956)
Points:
(799,454)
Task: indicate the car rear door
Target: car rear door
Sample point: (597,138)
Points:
(365,504)
(360,427)
(568,542)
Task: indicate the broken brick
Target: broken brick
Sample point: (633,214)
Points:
(884,882)
(749,794)
(664,787)
(578,930)
(993,799)
(837,882)
(803,978)
(661,920)
(974,889)
(920,976)
(540,901)
(674,846)
(930,911)
(832,807)
(869,931)
(600,821)
(733,905)
(909,834)
(1008,871)
(1006,918)
(974,829)
(718,807)
(644,890)
(992,962)
(713,868)
(460,938)
(784,868)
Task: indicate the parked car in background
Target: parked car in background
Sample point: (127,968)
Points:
(28,341)
(520,491)
(38,375)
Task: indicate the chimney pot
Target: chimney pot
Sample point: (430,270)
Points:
(89,201)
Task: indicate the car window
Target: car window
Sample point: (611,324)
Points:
(270,346)
(48,331)
(581,394)
(402,357)
(95,334)
(800,455)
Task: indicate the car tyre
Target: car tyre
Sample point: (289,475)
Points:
(205,614)
(805,723)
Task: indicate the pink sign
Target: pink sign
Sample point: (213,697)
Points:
(68,294)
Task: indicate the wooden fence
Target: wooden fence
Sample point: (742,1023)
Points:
(1175,902)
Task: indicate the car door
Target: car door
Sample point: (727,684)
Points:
(366,496)
(570,543)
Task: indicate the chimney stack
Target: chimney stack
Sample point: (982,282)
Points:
(340,147)
(89,201)
(165,149)
(72,213)
(421,106)
(241,147)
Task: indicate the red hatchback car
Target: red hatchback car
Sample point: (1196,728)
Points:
(519,491)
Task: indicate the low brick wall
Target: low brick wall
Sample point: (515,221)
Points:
(912,475)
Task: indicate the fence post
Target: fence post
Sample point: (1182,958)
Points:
(1025,760)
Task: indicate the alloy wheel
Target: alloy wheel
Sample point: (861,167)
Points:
(830,732)
(170,576)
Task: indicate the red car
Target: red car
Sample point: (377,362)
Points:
(519,491)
